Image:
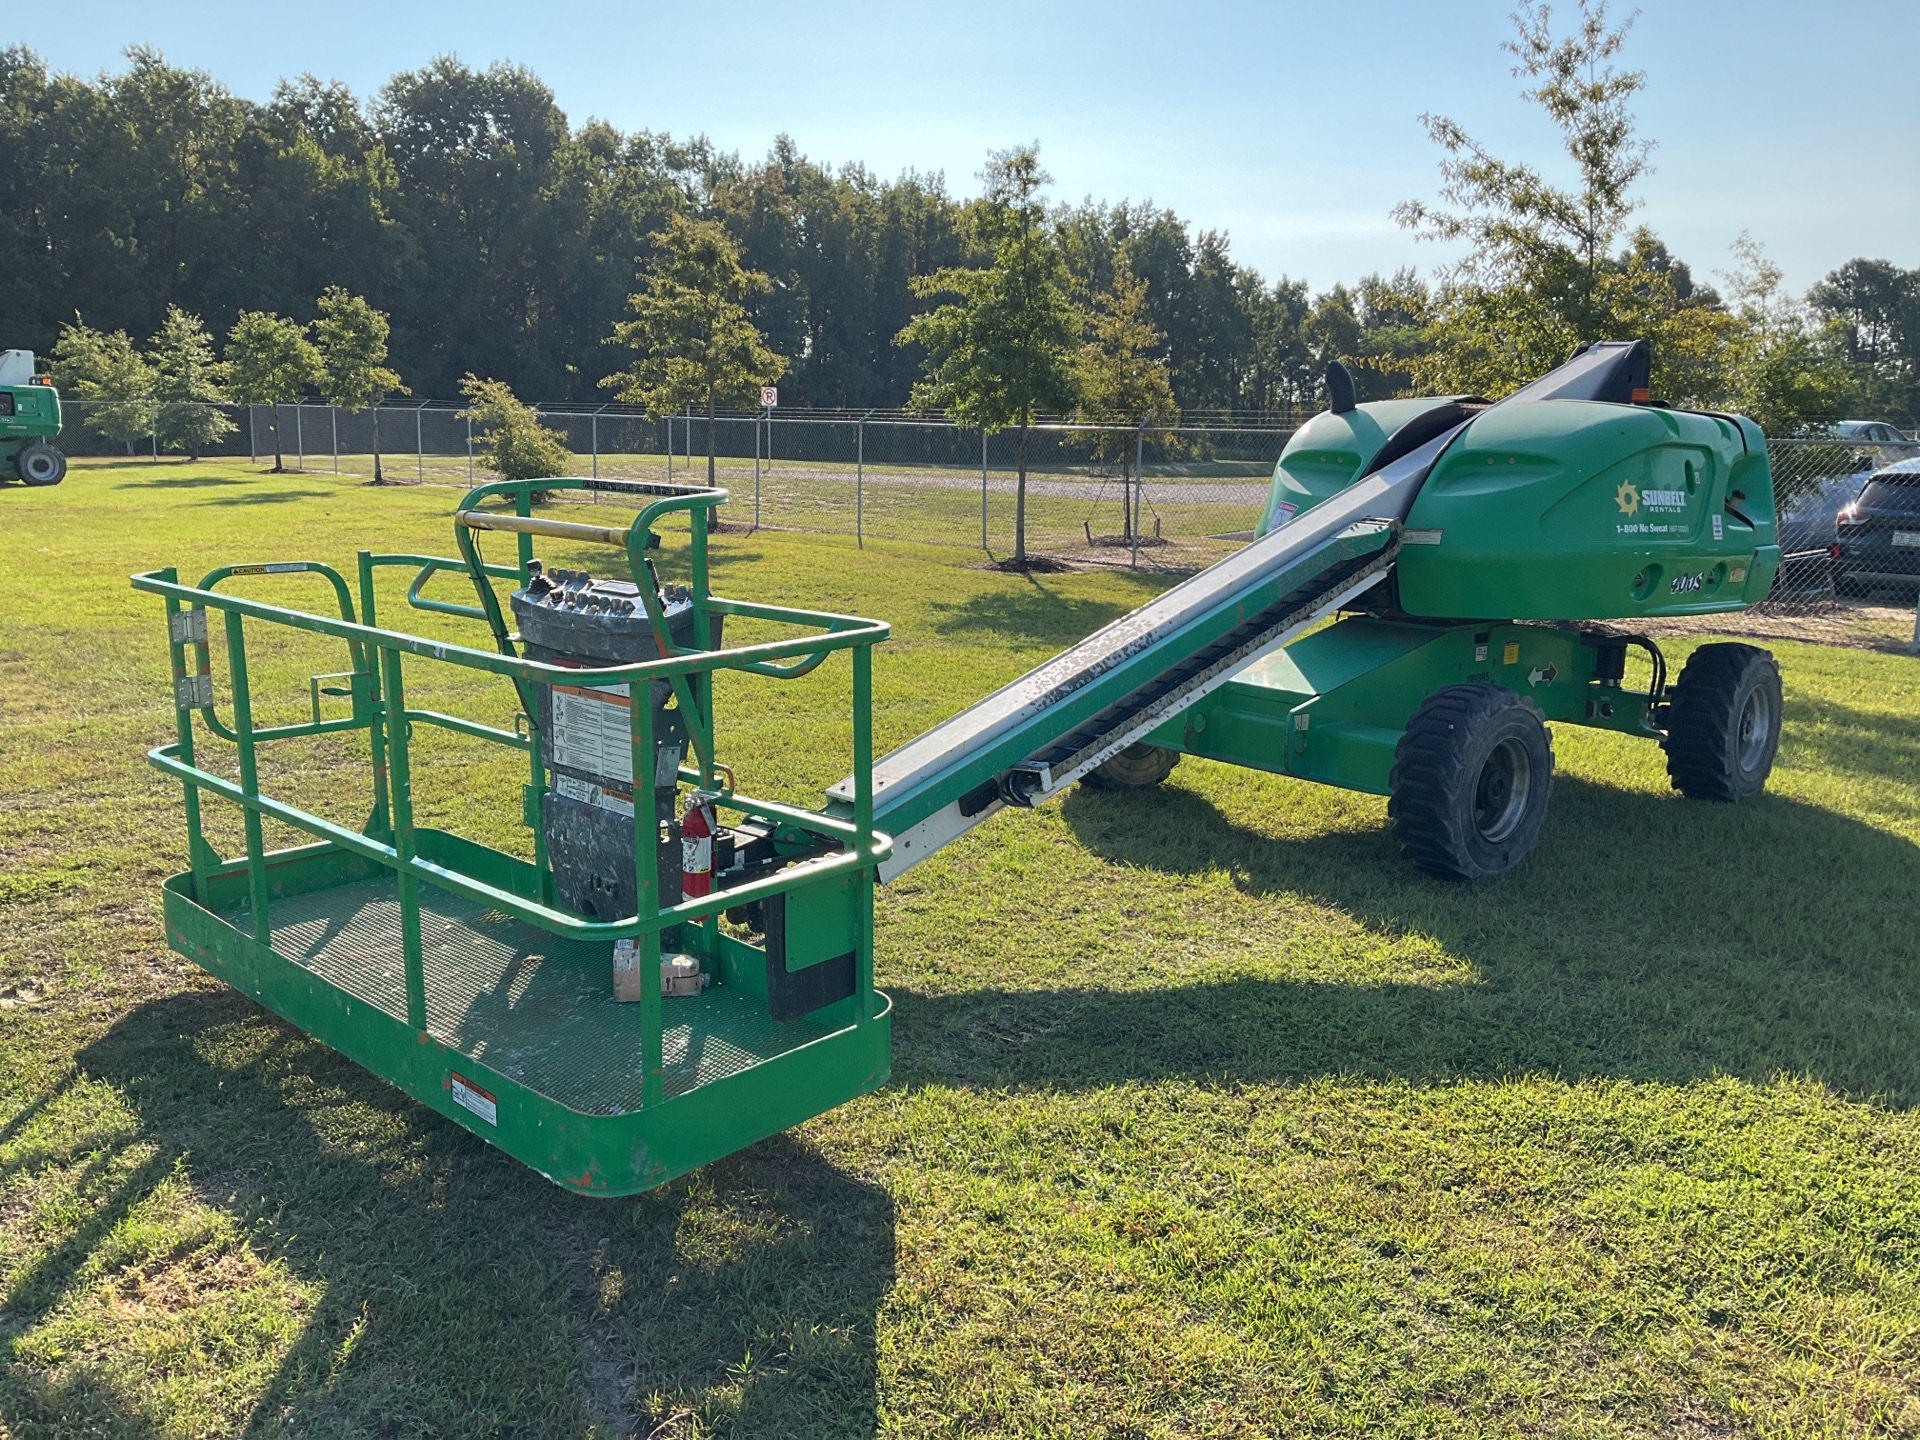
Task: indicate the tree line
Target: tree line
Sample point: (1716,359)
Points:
(503,240)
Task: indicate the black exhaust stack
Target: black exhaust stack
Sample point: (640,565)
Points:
(1339,388)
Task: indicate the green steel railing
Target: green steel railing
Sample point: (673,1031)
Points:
(376,689)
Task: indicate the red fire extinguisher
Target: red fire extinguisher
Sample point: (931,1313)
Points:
(697,828)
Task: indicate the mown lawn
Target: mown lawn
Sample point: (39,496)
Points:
(1209,1115)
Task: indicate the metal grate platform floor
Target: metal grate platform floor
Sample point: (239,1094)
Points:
(533,1006)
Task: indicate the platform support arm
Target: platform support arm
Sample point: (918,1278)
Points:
(863,824)
(380,821)
(249,777)
(181,624)
(394,687)
(646,867)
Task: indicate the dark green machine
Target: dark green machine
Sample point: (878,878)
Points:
(1435,581)
(1541,517)
(1489,564)
(29,422)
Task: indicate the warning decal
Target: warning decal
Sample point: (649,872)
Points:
(600,796)
(471,1097)
(591,730)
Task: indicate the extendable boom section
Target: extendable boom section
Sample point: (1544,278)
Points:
(1059,721)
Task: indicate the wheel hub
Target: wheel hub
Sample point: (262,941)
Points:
(1500,794)
(1755,730)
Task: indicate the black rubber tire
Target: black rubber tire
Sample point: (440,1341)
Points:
(1723,723)
(1134,768)
(40,464)
(1470,782)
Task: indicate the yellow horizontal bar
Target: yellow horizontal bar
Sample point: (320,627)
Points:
(534,525)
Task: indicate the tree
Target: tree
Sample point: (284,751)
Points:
(1872,308)
(188,384)
(106,370)
(514,443)
(1519,228)
(1778,371)
(1005,350)
(1283,376)
(270,361)
(499,237)
(694,341)
(1394,315)
(1332,330)
(1540,274)
(352,338)
(1123,386)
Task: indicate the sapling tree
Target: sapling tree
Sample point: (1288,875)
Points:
(1005,349)
(352,339)
(270,361)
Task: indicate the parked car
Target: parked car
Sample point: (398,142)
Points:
(1877,545)
(1810,520)
(1890,441)
(1809,524)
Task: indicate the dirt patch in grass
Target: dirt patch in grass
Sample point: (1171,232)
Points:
(1885,628)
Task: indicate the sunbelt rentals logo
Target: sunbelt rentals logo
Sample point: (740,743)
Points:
(1631,498)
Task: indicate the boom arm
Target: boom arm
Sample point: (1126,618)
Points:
(1034,737)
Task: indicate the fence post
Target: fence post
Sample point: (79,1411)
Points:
(153,431)
(690,439)
(860,481)
(469,452)
(1139,482)
(253,432)
(669,446)
(983,489)
(420,443)
(756,466)
(595,425)
(333,414)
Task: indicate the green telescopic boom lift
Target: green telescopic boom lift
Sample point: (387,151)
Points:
(1433,581)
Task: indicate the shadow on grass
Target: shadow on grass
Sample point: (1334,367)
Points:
(1036,614)
(1647,938)
(182,482)
(460,1290)
(1848,740)
(264,497)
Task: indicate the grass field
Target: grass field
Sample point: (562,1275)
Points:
(1209,1116)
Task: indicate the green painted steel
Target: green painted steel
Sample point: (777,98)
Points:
(1573,510)
(1043,719)
(27,413)
(1538,509)
(428,991)
(1332,706)
(1561,509)
(1331,451)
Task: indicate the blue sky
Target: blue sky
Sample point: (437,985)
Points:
(1293,127)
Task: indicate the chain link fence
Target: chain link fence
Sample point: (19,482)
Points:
(1173,499)
(1849,521)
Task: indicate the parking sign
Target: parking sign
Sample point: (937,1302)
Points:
(769,396)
